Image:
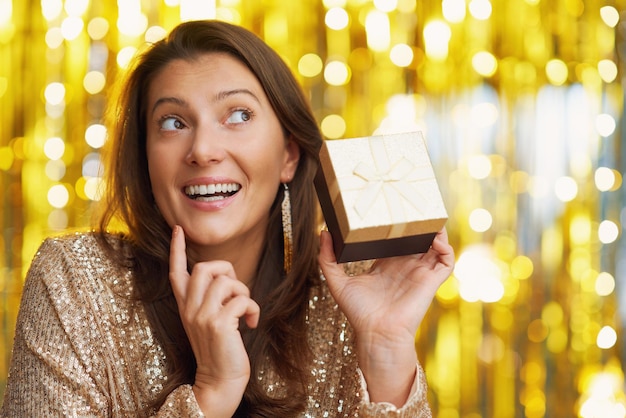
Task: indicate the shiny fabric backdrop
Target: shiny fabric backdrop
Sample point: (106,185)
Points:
(521,103)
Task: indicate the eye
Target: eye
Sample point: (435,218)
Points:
(239,116)
(170,123)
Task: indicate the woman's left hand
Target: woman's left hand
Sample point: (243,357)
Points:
(385,307)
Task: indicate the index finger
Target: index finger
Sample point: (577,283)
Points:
(178,260)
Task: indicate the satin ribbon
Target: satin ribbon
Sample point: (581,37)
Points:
(392,182)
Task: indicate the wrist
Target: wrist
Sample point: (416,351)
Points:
(216,402)
(388,367)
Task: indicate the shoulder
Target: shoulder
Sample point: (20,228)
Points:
(79,259)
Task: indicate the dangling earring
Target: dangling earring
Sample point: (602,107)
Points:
(287,234)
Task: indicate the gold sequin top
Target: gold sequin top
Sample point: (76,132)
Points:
(83,347)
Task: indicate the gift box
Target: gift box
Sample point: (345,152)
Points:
(379,196)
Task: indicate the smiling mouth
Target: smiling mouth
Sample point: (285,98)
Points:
(211,192)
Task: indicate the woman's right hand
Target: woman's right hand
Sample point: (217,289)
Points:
(211,301)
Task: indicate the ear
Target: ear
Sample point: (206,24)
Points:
(290,161)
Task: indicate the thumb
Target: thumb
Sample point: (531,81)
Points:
(328,262)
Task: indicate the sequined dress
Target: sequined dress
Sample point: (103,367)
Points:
(83,347)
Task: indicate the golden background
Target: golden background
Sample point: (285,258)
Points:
(521,103)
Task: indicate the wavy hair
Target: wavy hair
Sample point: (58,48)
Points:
(281,333)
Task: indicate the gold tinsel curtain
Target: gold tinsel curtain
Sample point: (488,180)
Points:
(521,103)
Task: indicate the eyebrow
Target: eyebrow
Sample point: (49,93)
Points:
(222,95)
(174,100)
(228,93)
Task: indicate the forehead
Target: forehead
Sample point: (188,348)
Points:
(206,70)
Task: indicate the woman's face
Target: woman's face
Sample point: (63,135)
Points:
(216,153)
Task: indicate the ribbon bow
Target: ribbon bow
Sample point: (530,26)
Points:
(392,181)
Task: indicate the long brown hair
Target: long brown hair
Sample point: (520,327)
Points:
(281,334)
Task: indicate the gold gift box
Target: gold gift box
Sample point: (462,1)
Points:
(379,196)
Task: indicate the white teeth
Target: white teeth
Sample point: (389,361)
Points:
(207,190)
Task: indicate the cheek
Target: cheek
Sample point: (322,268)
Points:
(158,170)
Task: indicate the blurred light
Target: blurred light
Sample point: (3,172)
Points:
(155,34)
(197,9)
(337,18)
(537,331)
(377,30)
(93,188)
(607,337)
(557,72)
(519,182)
(607,70)
(479,166)
(333,126)
(605,124)
(484,114)
(448,291)
(491,349)
(76,8)
(604,400)
(333,3)
(58,196)
(50,9)
(54,148)
(310,65)
(54,38)
(94,82)
(480,220)
(478,275)
(71,27)
(557,340)
(228,14)
(55,111)
(484,63)
(538,187)
(336,73)
(617,185)
(605,284)
(58,219)
(580,230)
(97,28)
(608,232)
(55,170)
(125,55)
(604,179)
(436,37)
(552,314)
(407,6)
(402,114)
(386,5)
(453,10)
(92,166)
(610,16)
(521,267)
(6,158)
(566,189)
(132,24)
(480,9)
(505,245)
(172,3)
(95,135)
(54,93)
(401,55)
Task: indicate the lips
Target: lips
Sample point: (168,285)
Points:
(211,192)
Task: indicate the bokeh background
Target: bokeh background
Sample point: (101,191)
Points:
(521,103)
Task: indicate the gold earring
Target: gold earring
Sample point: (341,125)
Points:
(287,233)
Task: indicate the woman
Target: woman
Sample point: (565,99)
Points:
(218,299)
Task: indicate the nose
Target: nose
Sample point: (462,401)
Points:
(206,147)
